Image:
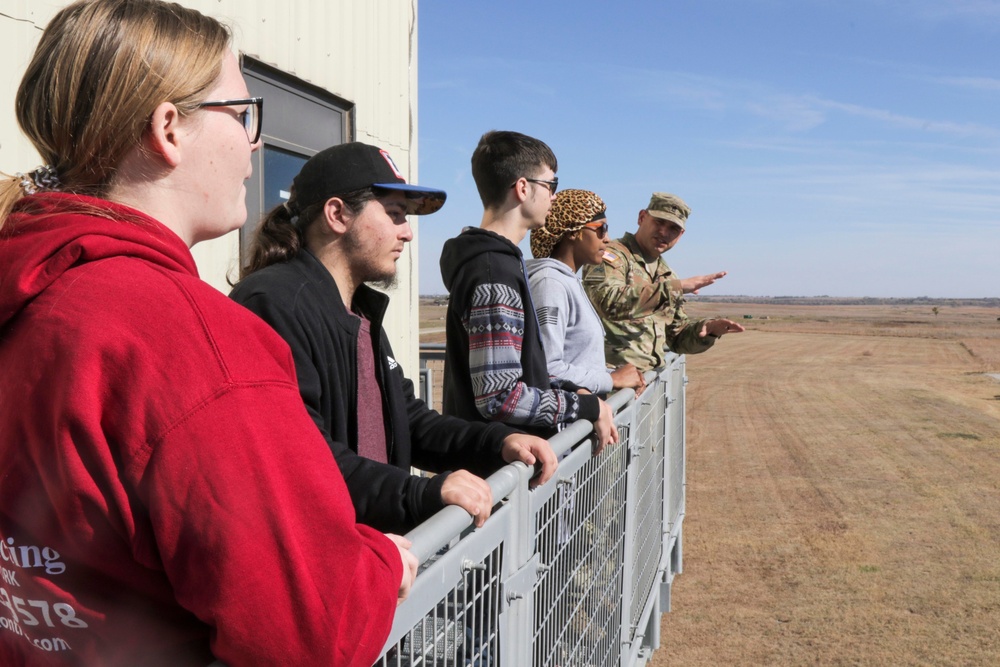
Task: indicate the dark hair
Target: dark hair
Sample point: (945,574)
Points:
(281,233)
(501,158)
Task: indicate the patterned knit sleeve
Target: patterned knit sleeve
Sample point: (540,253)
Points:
(495,324)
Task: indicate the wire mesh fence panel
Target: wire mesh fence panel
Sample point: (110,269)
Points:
(645,533)
(462,630)
(567,574)
(579,539)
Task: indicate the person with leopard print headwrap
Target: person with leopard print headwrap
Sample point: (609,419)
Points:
(575,234)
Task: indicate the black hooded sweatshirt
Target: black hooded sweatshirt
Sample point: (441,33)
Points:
(495,367)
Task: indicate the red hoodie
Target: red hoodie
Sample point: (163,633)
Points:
(150,511)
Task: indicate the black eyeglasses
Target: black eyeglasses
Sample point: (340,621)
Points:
(599,228)
(251,118)
(552,185)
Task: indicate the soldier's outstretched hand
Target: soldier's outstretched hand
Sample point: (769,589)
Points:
(693,284)
(718,327)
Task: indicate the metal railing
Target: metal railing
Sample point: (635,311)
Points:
(429,352)
(575,572)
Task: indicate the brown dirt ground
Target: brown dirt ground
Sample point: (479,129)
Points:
(843,499)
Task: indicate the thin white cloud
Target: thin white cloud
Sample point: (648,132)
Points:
(928,10)
(971,82)
(950,9)
(686,90)
(444,84)
(795,113)
(870,150)
(792,112)
(886,117)
(689,90)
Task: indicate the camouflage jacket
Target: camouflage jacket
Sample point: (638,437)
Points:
(642,308)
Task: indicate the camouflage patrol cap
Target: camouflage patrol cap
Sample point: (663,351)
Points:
(670,207)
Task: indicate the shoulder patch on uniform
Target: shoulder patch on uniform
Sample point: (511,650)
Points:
(610,256)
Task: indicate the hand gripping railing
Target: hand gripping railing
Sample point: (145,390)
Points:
(437,532)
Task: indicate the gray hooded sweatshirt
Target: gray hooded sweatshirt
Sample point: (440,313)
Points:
(572,333)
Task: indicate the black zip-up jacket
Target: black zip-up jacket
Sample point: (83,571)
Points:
(300,300)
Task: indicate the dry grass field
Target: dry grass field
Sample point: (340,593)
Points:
(843,499)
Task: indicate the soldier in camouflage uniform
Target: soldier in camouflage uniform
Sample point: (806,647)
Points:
(641,300)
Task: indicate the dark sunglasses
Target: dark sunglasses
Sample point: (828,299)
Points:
(251,118)
(599,228)
(552,185)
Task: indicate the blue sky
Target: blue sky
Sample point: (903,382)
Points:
(826,147)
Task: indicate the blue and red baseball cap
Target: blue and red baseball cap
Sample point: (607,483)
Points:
(353,166)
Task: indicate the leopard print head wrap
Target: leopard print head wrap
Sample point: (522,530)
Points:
(571,210)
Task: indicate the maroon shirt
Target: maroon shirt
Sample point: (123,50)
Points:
(371,423)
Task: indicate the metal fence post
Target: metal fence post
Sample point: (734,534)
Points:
(520,570)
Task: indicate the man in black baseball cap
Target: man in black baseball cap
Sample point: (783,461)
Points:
(312,260)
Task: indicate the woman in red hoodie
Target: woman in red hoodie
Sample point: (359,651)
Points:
(149,512)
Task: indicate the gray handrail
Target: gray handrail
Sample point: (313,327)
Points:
(433,534)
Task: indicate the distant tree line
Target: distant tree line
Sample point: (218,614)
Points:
(847,301)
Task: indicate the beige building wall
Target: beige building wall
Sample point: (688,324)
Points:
(364,51)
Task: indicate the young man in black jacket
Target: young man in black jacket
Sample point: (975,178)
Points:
(344,226)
